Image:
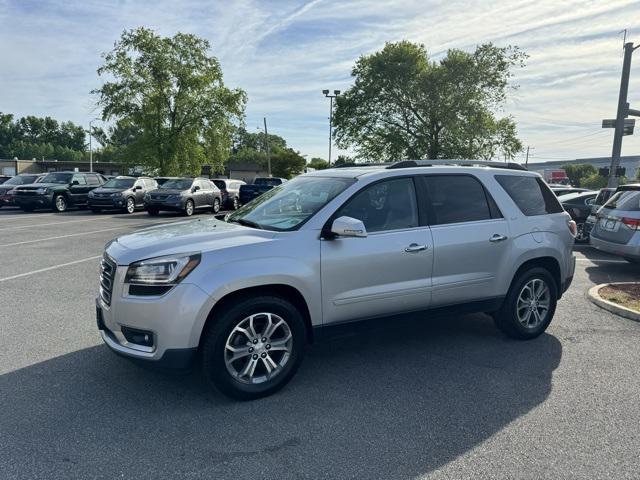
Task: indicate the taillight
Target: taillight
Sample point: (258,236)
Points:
(632,223)
(573,228)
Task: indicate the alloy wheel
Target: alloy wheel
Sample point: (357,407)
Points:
(532,306)
(61,203)
(189,208)
(131,206)
(258,348)
(581,235)
(216,205)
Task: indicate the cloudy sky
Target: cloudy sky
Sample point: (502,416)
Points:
(283,53)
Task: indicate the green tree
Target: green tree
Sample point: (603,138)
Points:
(405,106)
(578,173)
(318,163)
(170,93)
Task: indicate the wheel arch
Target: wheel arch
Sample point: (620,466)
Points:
(549,263)
(284,291)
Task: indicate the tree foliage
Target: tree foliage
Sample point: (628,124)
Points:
(35,137)
(578,173)
(403,105)
(171,108)
(251,148)
(318,163)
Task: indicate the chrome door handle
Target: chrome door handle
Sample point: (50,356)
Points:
(498,238)
(414,247)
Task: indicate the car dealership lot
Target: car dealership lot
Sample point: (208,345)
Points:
(446,397)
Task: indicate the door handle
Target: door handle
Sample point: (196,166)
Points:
(414,247)
(497,238)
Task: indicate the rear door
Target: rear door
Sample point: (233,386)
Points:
(471,239)
(387,272)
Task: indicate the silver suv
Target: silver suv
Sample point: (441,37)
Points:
(244,295)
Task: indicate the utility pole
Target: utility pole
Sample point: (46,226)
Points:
(526,161)
(90,145)
(330,97)
(266,145)
(623,112)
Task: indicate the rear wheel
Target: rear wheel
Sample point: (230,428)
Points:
(254,347)
(529,305)
(130,206)
(216,205)
(188,208)
(60,203)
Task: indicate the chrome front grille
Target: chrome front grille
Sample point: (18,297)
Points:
(107,276)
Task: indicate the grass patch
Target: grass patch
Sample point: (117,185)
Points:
(625,295)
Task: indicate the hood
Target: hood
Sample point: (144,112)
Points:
(198,235)
(166,191)
(109,190)
(35,186)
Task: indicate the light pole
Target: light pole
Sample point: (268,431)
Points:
(90,144)
(330,97)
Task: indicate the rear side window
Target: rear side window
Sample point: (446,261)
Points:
(530,194)
(627,200)
(92,180)
(458,198)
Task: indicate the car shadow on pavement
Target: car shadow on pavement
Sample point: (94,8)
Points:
(397,398)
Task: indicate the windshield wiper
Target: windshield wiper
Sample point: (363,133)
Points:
(246,223)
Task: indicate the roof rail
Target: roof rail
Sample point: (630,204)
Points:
(352,164)
(462,163)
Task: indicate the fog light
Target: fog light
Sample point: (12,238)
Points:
(139,337)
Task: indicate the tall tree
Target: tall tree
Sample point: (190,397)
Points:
(405,106)
(170,91)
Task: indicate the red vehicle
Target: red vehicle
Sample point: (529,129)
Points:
(556,176)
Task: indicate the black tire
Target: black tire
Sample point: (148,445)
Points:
(60,203)
(96,209)
(507,319)
(130,205)
(236,203)
(214,348)
(581,236)
(189,208)
(216,205)
(27,208)
(153,211)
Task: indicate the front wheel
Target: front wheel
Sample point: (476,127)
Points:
(189,208)
(216,205)
(130,206)
(529,306)
(254,347)
(60,203)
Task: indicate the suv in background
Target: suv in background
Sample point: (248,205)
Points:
(244,295)
(259,186)
(121,193)
(617,226)
(230,191)
(603,196)
(7,188)
(57,191)
(186,195)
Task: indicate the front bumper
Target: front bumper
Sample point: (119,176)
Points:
(175,206)
(174,320)
(7,200)
(628,250)
(118,202)
(36,201)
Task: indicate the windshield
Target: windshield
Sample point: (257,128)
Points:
(177,184)
(289,205)
(120,183)
(21,180)
(627,200)
(62,178)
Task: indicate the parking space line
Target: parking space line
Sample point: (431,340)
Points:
(68,235)
(38,225)
(603,260)
(54,267)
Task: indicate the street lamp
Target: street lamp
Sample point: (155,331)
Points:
(90,144)
(330,97)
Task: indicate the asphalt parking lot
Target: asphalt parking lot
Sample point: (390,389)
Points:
(419,397)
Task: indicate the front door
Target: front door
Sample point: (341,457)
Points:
(387,272)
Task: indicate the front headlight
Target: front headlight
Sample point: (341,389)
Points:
(91,194)
(42,191)
(116,195)
(168,270)
(173,198)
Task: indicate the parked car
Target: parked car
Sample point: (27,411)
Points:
(121,193)
(7,188)
(567,190)
(245,295)
(617,226)
(603,196)
(162,180)
(57,191)
(578,205)
(4,178)
(186,195)
(230,191)
(259,186)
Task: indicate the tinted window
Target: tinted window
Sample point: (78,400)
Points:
(627,200)
(530,194)
(121,183)
(178,184)
(80,179)
(457,198)
(93,180)
(389,205)
(220,184)
(21,180)
(60,178)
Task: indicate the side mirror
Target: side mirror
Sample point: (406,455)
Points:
(75,182)
(195,189)
(138,187)
(348,227)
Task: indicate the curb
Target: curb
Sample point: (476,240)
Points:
(625,312)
